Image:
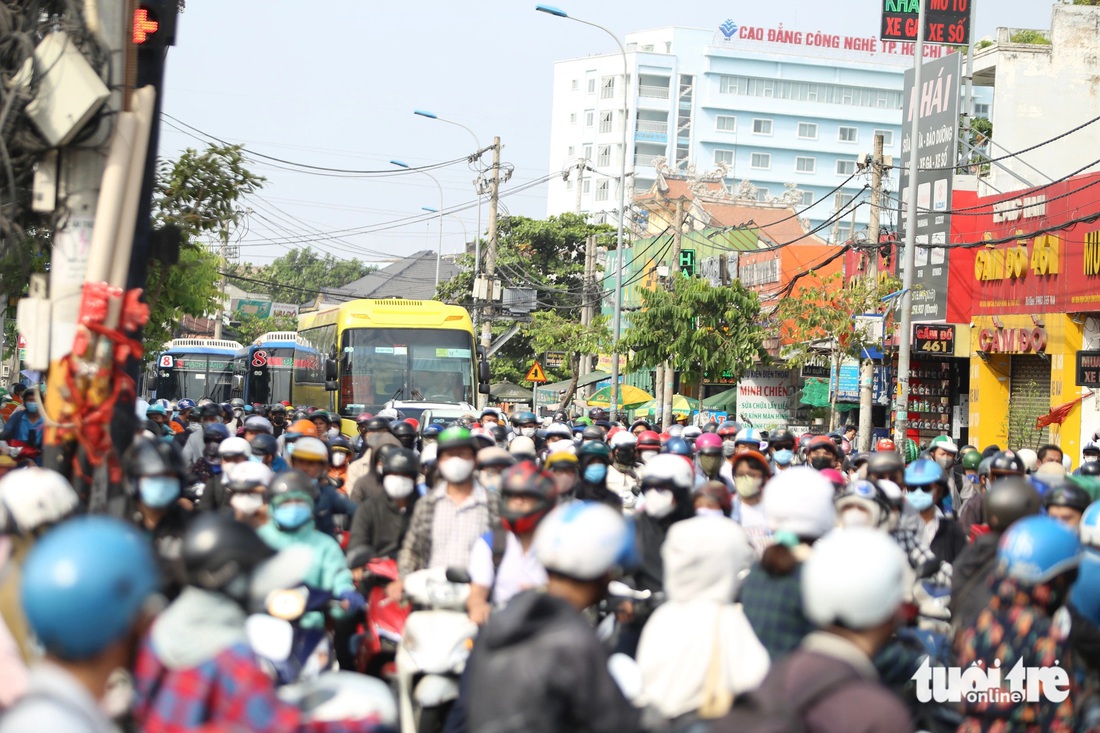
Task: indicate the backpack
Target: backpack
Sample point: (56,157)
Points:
(774,707)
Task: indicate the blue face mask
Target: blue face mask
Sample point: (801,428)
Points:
(595,473)
(920,500)
(784,457)
(32,408)
(158,491)
(292,516)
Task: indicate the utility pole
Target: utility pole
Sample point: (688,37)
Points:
(491,251)
(580,183)
(674,272)
(867,368)
(223,250)
(588,310)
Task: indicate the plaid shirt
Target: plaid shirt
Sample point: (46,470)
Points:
(773,605)
(441,532)
(227,693)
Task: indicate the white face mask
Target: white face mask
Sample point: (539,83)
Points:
(339,459)
(659,503)
(456,470)
(853,517)
(398,487)
(246,503)
(704,511)
(1089,459)
(527,432)
(647,455)
(333,433)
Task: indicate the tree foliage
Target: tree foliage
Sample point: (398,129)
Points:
(698,327)
(548,255)
(250,326)
(298,276)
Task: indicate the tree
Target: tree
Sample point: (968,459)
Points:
(697,327)
(249,326)
(548,256)
(820,320)
(550,331)
(298,276)
(199,194)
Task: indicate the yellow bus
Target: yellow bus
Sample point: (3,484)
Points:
(366,355)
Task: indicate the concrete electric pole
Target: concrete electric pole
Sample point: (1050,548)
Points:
(867,368)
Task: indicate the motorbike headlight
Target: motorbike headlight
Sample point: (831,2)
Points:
(287,604)
(459,655)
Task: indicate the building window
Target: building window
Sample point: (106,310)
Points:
(603,157)
(586,186)
(843,231)
(809,92)
(848,135)
(575,85)
(605,121)
(805,165)
(887,137)
(589,118)
(569,185)
(761,161)
(807,130)
(601,191)
(571,151)
(607,87)
(726,123)
(845,167)
(588,152)
(807,198)
(572,118)
(591,86)
(723,156)
(843,199)
(762,194)
(762,127)
(981,109)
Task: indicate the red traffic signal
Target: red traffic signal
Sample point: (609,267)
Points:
(145,24)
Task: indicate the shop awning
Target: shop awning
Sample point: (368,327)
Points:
(583,381)
(722,401)
(508,392)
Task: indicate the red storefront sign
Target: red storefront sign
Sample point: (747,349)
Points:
(1042,251)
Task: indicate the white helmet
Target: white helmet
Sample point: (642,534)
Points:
(855,577)
(584,540)
(675,430)
(140,408)
(691,432)
(35,497)
(800,500)
(248,472)
(623,437)
(559,430)
(522,447)
(668,469)
(429,454)
(1030,459)
(237,447)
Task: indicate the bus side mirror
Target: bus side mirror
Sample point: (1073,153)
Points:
(330,371)
(483,388)
(238,382)
(483,371)
(331,385)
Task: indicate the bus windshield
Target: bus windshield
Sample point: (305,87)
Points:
(414,365)
(270,375)
(195,376)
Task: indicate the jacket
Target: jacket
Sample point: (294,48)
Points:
(167,539)
(585,491)
(362,466)
(970,591)
(773,605)
(331,502)
(56,701)
(949,541)
(329,571)
(379,523)
(416,550)
(537,667)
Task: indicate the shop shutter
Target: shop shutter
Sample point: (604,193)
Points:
(1029,399)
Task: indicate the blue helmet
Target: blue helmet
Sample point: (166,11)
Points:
(923,472)
(678,446)
(1037,549)
(185,404)
(1090,525)
(84,583)
(432,430)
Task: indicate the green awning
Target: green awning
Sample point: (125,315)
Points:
(723,401)
(815,393)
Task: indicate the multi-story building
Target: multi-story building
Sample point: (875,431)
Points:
(771,106)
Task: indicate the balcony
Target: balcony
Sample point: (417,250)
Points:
(651,131)
(645,161)
(652,91)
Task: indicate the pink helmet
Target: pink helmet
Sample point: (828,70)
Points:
(708,444)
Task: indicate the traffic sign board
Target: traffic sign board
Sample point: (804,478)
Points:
(536,374)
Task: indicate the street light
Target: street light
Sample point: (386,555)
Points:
(617,321)
(439,251)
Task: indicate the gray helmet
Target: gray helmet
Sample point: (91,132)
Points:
(884,462)
(1010,499)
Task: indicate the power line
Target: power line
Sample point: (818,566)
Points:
(1018,152)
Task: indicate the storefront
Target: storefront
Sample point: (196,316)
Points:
(938,378)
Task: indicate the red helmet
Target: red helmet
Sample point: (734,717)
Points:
(362,417)
(728,429)
(823,441)
(885,444)
(649,440)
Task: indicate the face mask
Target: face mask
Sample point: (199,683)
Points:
(237,412)
(945,462)
(728,448)
(783,457)
(398,487)
(647,455)
(339,459)
(158,491)
(704,511)
(853,517)
(625,456)
(489,479)
(1089,459)
(247,503)
(291,516)
(920,500)
(527,432)
(333,433)
(456,470)
(659,503)
(32,408)
(711,465)
(821,462)
(595,473)
(747,486)
(973,478)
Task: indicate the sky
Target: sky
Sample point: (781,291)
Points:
(334,84)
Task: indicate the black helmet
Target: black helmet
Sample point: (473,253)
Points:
(526,479)
(400,461)
(217,550)
(1009,499)
(781,439)
(384,451)
(884,462)
(227,409)
(297,481)
(153,458)
(597,413)
(377,424)
(1006,462)
(561,416)
(1069,495)
(277,409)
(405,433)
(592,432)
(1089,468)
(499,433)
(264,444)
(339,443)
(211,409)
(215,433)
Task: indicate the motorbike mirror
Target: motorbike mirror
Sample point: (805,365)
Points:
(457,575)
(271,638)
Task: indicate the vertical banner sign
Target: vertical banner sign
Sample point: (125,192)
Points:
(937,106)
(946,21)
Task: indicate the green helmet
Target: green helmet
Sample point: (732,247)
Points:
(456,436)
(971,460)
(912,450)
(594,450)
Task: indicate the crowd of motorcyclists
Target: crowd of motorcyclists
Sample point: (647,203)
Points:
(622,576)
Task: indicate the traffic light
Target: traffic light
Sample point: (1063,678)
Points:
(154,24)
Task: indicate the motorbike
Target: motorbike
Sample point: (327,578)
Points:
(618,593)
(289,652)
(384,622)
(433,651)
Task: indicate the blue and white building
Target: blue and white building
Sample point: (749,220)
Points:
(777,107)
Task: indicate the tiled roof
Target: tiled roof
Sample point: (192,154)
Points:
(412,277)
